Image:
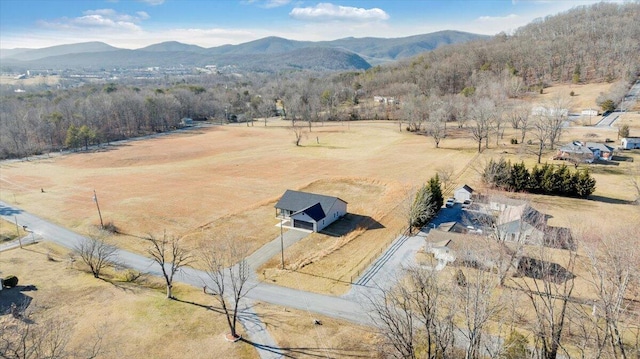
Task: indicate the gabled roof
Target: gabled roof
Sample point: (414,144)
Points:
(315,212)
(521,215)
(295,201)
(466,188)
(599,146)
(577,148)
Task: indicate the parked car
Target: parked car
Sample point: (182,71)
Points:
(466,203)
(449,202)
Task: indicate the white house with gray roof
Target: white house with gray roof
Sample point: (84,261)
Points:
(309,211)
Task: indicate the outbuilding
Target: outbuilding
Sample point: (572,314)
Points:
(463,193)
(629,143)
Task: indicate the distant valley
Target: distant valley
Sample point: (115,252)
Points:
(265,55)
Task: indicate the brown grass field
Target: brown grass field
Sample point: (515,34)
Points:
(211,183)
(136,320)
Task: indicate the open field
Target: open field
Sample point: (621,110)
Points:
(212,183)
(31,81)
(584,94)
(218,181)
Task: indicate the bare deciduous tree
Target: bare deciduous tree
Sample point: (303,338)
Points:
(228,271)
(613,273)
(481,113)
(549,289)
(24,337)
(96,254)
(170,256)
(477,306)
(436,125)
(413,317)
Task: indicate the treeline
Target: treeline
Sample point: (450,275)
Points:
(467,83)
(543,180)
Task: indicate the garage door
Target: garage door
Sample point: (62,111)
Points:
(303,224)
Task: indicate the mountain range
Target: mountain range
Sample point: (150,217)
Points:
(267,54)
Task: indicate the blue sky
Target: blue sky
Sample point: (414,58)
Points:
(134,24)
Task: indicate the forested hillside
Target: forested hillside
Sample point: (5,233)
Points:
(586,44)
(468,83)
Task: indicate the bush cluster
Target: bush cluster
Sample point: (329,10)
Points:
(10,281)
(543,180)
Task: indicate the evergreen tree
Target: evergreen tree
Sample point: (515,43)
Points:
(561,179)
(519,177)
(86,136)
(421,209)
(547,183)
(535,180)
(436,193)
(72,140)
(586,184)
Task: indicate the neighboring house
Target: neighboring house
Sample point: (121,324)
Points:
(463,193)
(585,152)
(461,249)
(309,211)
(455,227)
(523,223)
(628,143)
(589,112)
(549,112)
(186,121)
(385,100)
(600,151)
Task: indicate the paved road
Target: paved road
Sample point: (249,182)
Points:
(349,308)
(353,306)
(628,103)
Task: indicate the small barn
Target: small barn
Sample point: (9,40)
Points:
(309,211)
(463,193)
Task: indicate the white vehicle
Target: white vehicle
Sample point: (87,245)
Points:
(450,202)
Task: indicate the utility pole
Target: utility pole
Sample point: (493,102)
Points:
(281,244)
(18,231)
(95,199)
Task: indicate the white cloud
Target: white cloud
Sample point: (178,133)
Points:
(328,11)
(99,19)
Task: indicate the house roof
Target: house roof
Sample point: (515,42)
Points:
(315,212)
(599,146)
(452,227)
(296,201)
(520,215)
(577,148)
(466,188)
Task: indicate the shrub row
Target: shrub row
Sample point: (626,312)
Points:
(545,179)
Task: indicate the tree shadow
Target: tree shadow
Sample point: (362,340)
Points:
(15,298)
(9,211)
(545,270)
(323,277)
(609,200)
(203,306)
(350,222)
